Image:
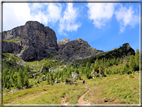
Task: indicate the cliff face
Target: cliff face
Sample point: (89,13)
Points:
(35,32)
(77,49)
(34,38)
(34,41)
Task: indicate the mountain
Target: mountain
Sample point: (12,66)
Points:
(76,49)
(34,41)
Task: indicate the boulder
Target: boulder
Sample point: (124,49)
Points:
(28,54)
(74,75)
(52,70)
(92,74)
(44,69)
(100,75)
(56,82)
(43,78)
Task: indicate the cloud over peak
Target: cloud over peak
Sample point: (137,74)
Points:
(100,13)
(68,21)
(16,14)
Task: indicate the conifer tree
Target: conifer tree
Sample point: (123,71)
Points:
(132,64)
(106,73)
(26,81)
(51,79)
(69,70)
(12,80)
(19,81)
(62,79)
(137,59)
(87,68)
(117,61)
(100,70)
(48,82)
(96,64)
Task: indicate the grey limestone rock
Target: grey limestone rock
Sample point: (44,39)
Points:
(77,49)
(44,69)
(74,75)
(11,47)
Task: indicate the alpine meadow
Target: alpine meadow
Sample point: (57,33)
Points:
(86,60)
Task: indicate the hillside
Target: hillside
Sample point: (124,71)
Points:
(36,67)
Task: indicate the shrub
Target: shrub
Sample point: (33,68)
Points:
(131,76)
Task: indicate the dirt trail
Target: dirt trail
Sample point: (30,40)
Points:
(81,101)
(63,101)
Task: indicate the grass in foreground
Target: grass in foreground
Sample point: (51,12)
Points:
(114,89)
(46,94)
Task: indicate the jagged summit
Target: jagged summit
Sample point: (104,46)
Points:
(34,41)
(76,49)
(63,42)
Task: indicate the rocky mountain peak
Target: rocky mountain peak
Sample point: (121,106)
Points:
(127,45)
(76,49)
(34,25)
(81,41)
(63,42)
(34,38)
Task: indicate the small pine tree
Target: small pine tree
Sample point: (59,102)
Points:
(48,82)
(79,76)
(51,79)
(106,73)
(12,80)
(96,65)
(100,70)
(137,59)
(26,81)
(132,64)
(19,81)
(117,61)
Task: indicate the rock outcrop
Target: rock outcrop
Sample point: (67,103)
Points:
(44,69)
(63,42)
(77,49)
(74,75)
(11,47)
(121,52)
(37,41)
(36,32)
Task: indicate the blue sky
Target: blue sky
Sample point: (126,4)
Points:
(104,26)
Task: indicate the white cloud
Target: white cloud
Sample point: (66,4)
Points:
(68,21)
(126,16)
(100,13)
(16,14)
(47,12)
